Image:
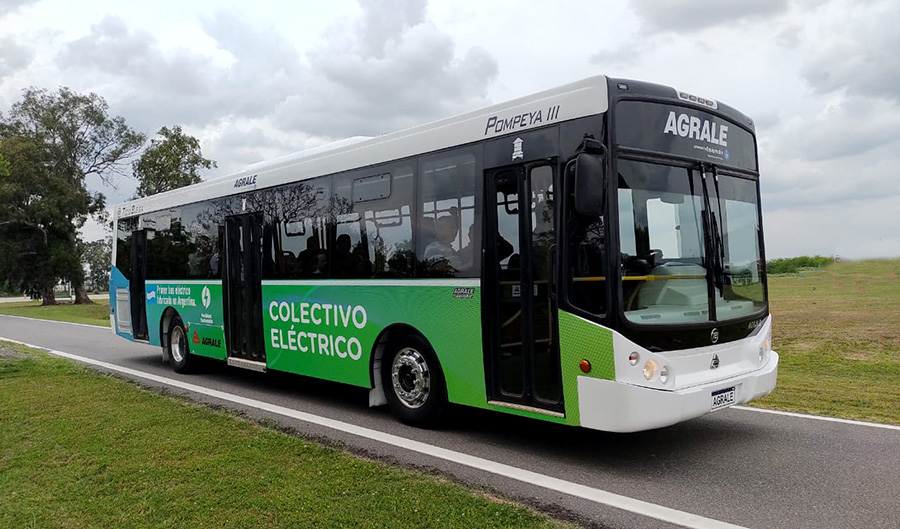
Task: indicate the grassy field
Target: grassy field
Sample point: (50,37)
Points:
(837,330)
(838,333)
(96,314)
(79,449)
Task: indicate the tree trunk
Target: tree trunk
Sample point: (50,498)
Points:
(48,296)
(81,295)
(76,279)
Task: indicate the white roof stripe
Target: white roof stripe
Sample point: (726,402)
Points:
(582,98)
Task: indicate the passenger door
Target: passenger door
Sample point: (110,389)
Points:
(520,293)
(138,284)
(242,290)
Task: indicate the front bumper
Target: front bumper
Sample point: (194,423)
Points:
(619,407)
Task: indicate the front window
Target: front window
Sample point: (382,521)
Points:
(673,223)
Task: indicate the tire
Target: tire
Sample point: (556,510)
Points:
(179,348)
(413,382)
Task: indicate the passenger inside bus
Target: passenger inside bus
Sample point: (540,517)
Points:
(306,260)
(440,254)
(344,259)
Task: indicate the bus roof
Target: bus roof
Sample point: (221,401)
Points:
(582,98)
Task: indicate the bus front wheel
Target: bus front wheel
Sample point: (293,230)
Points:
(413,382)
(179,350)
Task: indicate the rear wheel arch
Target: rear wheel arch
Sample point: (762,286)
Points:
(164,323)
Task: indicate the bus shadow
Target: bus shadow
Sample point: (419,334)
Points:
(674,447)
(678,446)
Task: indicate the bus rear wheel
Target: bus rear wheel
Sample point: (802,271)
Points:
(179,350)
(413,382)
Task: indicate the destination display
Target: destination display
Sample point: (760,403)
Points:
(684,131)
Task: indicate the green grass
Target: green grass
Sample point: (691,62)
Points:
(79,449)
(838,333)
(96,314)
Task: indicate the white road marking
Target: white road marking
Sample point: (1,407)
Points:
(618,501)
(818,417)
(104,327)
(742,408)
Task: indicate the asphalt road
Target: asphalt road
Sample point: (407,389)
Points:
(738,466)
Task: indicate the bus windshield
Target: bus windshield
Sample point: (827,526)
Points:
(690,243)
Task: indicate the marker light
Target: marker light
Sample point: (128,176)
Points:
(664,374)
(633,358)
(649,369)
(585,366)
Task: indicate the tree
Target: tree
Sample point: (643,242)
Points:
(169,163)
(95,255)
(35,231)
(4,165)
(60,138)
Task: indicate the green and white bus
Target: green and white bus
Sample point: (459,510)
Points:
(588,255)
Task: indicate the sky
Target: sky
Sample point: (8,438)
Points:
(820,78)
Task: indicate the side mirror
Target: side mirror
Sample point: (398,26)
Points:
(590,182)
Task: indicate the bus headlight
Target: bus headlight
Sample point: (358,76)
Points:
(664,374)
(764,350)
(634,358)
(649,369)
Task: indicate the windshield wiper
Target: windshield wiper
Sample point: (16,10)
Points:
(720,239)
(715,241)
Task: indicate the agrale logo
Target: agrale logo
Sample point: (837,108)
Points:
(715,362)
(463,292)
(206,297)
(212,342)
(695,128)
(245,181)
(196,338)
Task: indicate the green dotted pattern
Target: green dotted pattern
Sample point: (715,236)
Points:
(580,340)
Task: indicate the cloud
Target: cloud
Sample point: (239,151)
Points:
(849,229)
(14,57)
(239,145)
(682,16)
(857,52)
(384,73)
(112,48)
(623,55)
(9,6)
(156,87)
(851,126)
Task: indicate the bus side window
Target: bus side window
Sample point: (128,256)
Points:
(373,228)
(299,245)
(123,246)
(587,258)
(202,228)
(449,234)
(168,245)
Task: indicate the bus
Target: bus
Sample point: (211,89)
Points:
(590,255)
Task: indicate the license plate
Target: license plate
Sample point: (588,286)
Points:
(722,398)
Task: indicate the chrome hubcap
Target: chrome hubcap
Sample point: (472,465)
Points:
(411,378)
(178,344)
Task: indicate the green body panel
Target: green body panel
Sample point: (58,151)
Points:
(199,303)
(338,324)
(449,321)
(579,340)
